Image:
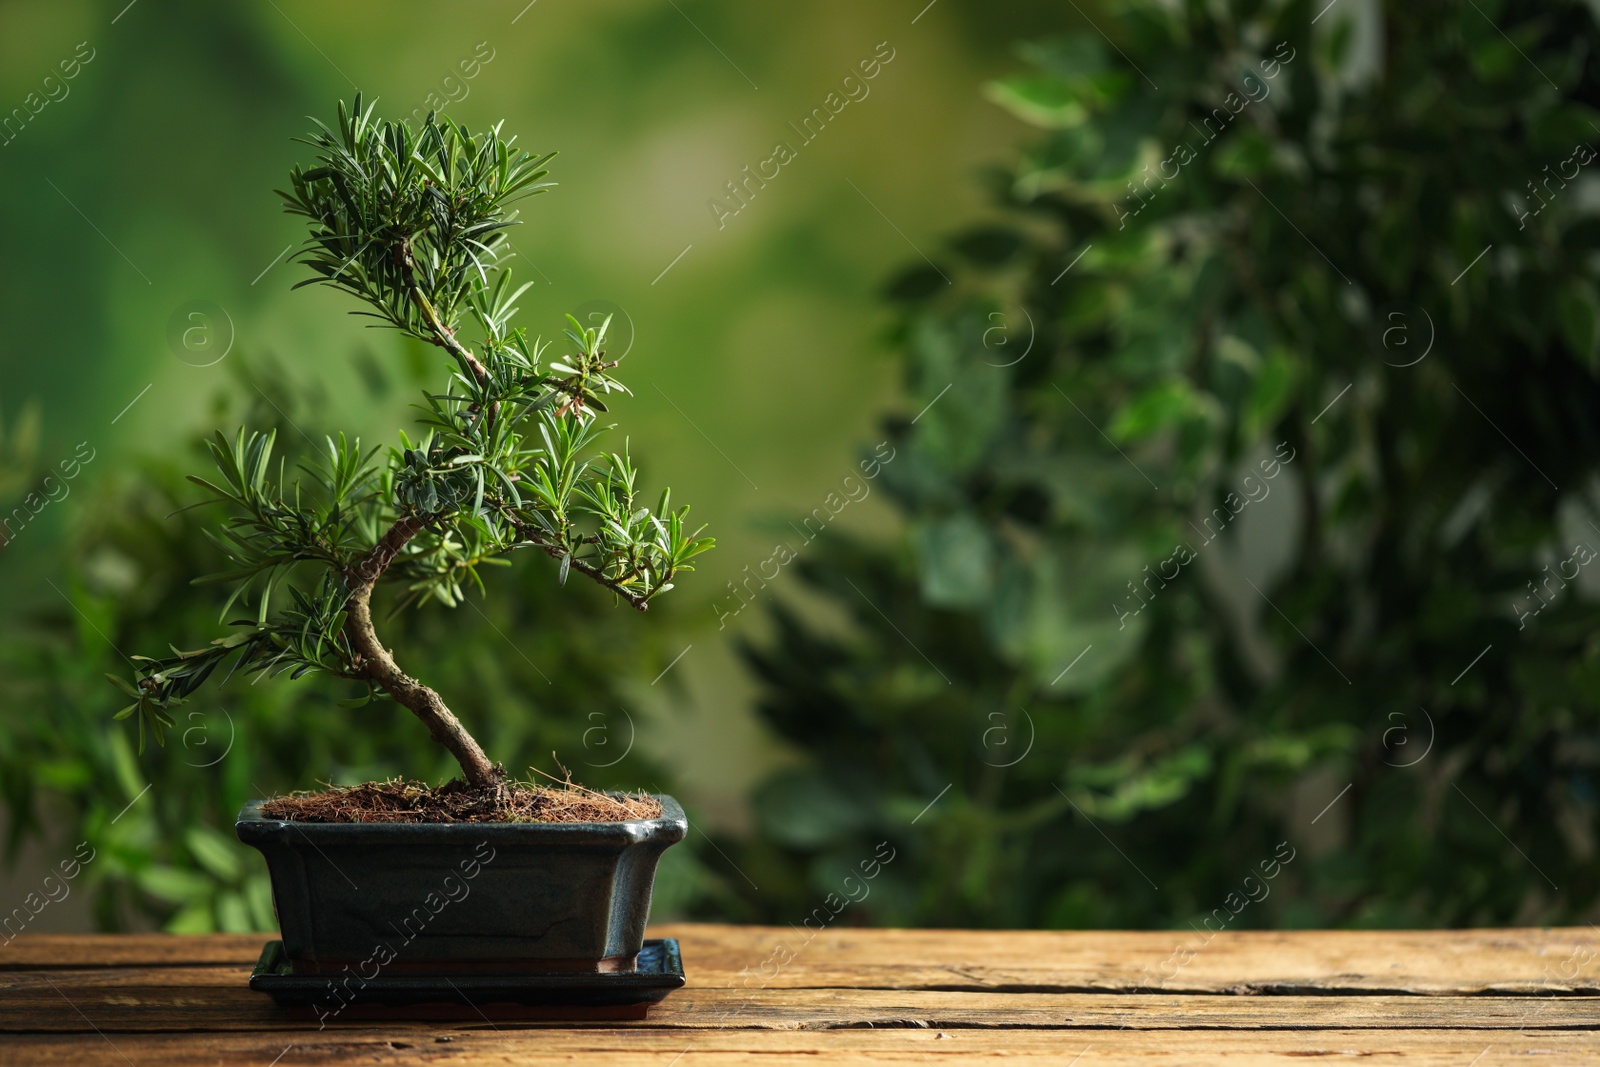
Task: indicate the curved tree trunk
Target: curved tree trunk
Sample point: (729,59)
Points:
(378,665)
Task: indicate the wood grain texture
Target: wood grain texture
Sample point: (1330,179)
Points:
(726,1048)
(210,1000)
(768,995)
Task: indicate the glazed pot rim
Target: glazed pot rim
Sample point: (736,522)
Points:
(670,826)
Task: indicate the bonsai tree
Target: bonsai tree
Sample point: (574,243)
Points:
(414,224)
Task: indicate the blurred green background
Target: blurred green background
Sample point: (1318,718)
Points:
(148,187)
(1072,364)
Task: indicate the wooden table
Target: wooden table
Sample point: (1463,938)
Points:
(1475,998)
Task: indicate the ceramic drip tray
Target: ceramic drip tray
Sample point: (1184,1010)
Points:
(658,970)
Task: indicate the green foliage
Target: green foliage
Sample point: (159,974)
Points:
(536,670)
(1111,717)
(414,223)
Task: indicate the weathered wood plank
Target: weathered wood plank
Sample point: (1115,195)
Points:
(855,996)
(656,1048)
(217,999)
(79,951)
(1421,962)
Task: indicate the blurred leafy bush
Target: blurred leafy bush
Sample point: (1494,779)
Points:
(1360,273)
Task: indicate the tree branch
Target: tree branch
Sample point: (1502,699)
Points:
(528,535)
(443,336)
(376,664)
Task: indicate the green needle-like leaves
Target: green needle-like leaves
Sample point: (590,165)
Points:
(414,223)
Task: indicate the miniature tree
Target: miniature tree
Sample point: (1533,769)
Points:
(414,223)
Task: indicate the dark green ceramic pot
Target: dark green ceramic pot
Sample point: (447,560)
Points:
(462,897)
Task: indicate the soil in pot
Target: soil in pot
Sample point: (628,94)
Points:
(402,801)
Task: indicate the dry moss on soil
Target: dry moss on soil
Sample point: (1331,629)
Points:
(399,800)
